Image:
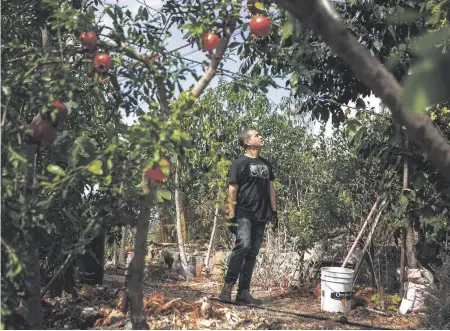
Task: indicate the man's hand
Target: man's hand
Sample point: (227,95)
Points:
(274,220)
(234,226)
(232,191)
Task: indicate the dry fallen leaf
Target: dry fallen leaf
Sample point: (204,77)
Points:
(169,304)
(119,324)
(205,309)
(205,323)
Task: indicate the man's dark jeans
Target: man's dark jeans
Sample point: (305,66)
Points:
(249,238)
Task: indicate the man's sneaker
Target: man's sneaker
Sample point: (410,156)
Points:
(225,294)
(244,297)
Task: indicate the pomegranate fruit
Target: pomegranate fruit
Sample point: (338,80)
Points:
(260,25)
(89,39)
(155,173)
(102,62)
(43,132)
(210,41)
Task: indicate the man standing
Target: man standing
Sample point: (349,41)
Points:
(251,204)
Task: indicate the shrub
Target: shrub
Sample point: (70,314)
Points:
(437,300)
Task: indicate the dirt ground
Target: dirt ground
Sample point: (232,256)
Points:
(171,304)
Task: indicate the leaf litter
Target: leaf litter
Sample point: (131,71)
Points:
(187,305)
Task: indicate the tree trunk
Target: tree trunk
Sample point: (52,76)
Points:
(123,243)
(32,304)
(136,268)
(151,228)
(162,225)
(94,261)
(410,243)
(132,232)
(213,232)
(183,258)
(114,251)
(402,263)
(410,250)
(183,220)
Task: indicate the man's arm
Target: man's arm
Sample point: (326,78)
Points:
(232,192)
(273,196)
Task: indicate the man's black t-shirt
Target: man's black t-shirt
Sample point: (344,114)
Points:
(253,175)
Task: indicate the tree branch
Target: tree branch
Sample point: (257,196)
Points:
(162,97)
(148,62)
(212,69)
(69,258)
(131,53)
(321,16)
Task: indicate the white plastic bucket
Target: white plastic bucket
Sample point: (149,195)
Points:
(336,286)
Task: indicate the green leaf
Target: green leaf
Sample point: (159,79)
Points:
(163,194)
(409,194)
(6,90)
(57,170)
(403,201)
(426,45)
(109,164)
(259,5)
(96,167)
(407,16)
(294,79)
(428,85)
(419,181)
(288,29)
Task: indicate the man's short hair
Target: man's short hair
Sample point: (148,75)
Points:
(243,136)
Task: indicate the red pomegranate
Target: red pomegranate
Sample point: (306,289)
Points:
(102,62)
(155,173)
(89,39)
(260,25)
(43,132)
(210,41)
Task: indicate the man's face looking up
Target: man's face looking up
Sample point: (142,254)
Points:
(254,140)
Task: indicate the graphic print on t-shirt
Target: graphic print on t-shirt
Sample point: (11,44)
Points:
(253,176)
(259,170)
